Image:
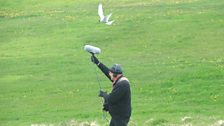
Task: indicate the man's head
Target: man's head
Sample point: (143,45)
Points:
(115,71)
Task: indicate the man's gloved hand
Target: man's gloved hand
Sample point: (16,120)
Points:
(106,107)
(103,94)
(94,59)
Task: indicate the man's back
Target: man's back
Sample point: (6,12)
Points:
(120,99)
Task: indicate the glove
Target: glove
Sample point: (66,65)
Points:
(94,59)
(103,94)
(105,107)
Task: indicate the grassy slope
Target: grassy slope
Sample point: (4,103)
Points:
(171,51)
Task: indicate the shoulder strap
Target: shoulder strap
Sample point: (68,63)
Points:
(122,78)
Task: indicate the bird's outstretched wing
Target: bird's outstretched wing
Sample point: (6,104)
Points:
(108,17)
(100,11)
(110,22)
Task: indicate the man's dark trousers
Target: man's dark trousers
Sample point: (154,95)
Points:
(119,122)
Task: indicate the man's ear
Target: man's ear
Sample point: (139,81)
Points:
(115,75)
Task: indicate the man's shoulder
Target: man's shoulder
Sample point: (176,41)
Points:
(123,82)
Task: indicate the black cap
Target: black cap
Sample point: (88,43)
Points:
(116,68)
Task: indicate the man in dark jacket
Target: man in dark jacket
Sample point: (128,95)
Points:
(118,102)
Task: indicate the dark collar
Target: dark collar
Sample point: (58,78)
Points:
(115,82)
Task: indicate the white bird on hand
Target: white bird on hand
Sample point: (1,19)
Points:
(104,19)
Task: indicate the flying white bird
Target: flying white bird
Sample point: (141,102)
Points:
(104,19)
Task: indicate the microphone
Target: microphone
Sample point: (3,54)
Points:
(92,49)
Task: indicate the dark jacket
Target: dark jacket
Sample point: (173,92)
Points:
(119,99)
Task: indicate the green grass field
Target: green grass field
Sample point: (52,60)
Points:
(172,52)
